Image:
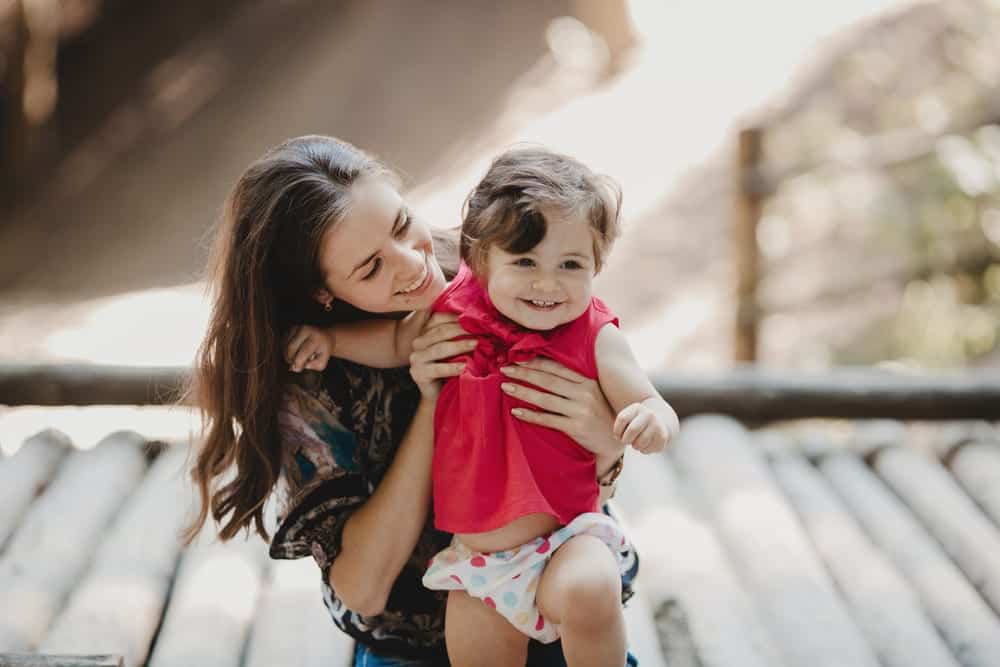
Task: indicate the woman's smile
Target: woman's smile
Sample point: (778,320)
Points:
(420,283)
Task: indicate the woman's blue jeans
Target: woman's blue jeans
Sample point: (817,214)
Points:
(539,655)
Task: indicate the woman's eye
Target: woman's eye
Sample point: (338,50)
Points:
(524,261)
(376,265)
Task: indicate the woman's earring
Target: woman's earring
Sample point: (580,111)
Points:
(328,306)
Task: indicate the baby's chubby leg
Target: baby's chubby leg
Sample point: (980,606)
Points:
(477,635)
(580,590)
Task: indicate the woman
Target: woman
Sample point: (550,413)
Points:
(314,233)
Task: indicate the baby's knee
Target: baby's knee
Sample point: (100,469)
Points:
(594,593)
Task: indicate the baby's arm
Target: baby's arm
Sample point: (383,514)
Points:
(378,343)
(645,420)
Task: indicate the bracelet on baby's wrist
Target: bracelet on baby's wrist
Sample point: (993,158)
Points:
(611,475)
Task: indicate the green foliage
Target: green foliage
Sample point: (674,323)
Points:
(927,223)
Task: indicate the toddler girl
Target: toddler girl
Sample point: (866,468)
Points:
(522,499)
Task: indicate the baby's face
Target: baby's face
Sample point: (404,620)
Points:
(549,285)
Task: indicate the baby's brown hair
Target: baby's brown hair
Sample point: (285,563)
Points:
(507,207)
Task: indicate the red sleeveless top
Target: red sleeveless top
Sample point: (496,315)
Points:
(490,468)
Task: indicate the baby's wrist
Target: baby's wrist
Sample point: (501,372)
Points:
(609,475)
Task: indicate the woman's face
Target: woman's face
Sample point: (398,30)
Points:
(378,257)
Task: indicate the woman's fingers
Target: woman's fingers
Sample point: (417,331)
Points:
(553,368)
(438,351)
(541,399)
(428,372)
(558,422)
(437,334)
(547,381)
(439,318)
(428,376)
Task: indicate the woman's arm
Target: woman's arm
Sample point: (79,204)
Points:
(380,536)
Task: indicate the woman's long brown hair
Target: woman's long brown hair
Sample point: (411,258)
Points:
(262,273)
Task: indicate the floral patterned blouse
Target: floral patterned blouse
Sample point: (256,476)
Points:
(339,432)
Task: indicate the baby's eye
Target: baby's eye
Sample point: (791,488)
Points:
(524,261)
(572,264)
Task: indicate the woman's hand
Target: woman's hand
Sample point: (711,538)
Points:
(574,404)
(434,344)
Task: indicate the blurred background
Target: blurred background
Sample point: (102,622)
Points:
(806,184)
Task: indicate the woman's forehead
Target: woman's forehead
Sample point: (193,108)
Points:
(365,227)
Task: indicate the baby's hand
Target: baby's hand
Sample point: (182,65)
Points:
(308,347)
(637,425)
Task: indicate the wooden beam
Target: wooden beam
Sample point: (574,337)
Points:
(757,395)
(31,660)
(727,472)
(748,393)
(118,603)
(965,621)
(83,384)
(946,512)
(26,474)
(54,544)
(881,601)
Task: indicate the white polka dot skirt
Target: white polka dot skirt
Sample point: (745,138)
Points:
(507,580)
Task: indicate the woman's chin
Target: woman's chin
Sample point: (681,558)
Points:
(436,286)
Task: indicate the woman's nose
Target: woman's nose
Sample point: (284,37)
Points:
(408,251)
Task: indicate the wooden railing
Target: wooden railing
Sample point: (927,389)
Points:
(747,393)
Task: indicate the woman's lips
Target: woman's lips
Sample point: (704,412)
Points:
(428,274)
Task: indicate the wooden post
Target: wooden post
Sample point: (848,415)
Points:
(749,203)
(13,122)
